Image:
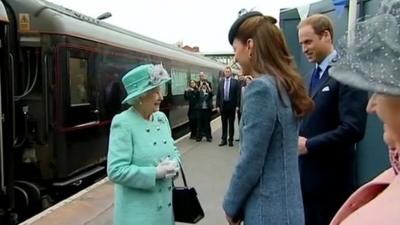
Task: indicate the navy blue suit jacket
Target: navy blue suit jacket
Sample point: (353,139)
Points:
(332,129)
(233,95)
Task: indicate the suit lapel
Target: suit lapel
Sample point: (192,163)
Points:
(230,88)
(307,80)
(221,88)
(325,78)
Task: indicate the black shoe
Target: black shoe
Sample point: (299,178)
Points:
(230,143)
(198,139)
(237,139)
(222,143)
(192,137)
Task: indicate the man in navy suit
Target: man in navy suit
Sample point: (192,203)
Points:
(328,135)
(227,104)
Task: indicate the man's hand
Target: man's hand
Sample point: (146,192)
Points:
(302,145)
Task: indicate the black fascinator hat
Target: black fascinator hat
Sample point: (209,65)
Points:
(235,26)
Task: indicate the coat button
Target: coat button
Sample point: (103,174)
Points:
(169,188)
(159,207)
(158,128)
(165,141)
(155,143)
(147,130)
(169,204)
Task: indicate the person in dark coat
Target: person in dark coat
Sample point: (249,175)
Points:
(192,95)
(227,105)
(203,108)
(203,79)
(328,136)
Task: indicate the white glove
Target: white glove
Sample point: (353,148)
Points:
(167,168)
(175,164)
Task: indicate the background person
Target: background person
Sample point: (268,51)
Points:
(328,135)
(142,156)
(227,105)
(192,96)
(112,92)
(265,185)
(204,108)
(244,81)
(203,79)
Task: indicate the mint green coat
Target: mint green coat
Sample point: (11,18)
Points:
(135,149)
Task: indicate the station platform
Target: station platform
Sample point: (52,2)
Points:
(207,167)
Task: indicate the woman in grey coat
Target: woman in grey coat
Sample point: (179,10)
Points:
(265,185)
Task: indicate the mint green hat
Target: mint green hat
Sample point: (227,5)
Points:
(142,79)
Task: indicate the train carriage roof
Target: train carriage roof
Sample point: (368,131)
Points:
(3,13)
(47,17)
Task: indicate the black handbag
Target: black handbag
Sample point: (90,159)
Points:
(186,205)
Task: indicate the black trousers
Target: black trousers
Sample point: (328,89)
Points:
(203,123)
(319,209)
(192,115)
(228,123)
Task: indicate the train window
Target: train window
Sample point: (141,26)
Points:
(194,76)
(178,82)
(78,81)
(164,89)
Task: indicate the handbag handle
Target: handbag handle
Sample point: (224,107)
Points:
(183,174)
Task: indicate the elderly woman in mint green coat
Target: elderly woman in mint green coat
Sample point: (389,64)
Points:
(142,157)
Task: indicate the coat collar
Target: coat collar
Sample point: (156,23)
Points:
(387,181)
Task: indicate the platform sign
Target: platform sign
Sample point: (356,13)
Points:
(178,82)
(24,22)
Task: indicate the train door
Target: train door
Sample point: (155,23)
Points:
(81,100)
(6,129)
(3,57)
(81,143)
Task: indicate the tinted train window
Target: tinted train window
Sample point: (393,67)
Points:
(164,89)
(78,81)
(194,76)
(178,82)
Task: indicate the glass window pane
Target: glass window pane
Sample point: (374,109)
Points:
(78,82)
(178,82)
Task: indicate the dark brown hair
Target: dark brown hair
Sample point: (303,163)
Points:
(271,55)
(319,22)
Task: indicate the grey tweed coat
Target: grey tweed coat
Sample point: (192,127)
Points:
(265,185)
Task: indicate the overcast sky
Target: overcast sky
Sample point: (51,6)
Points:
(202,23)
